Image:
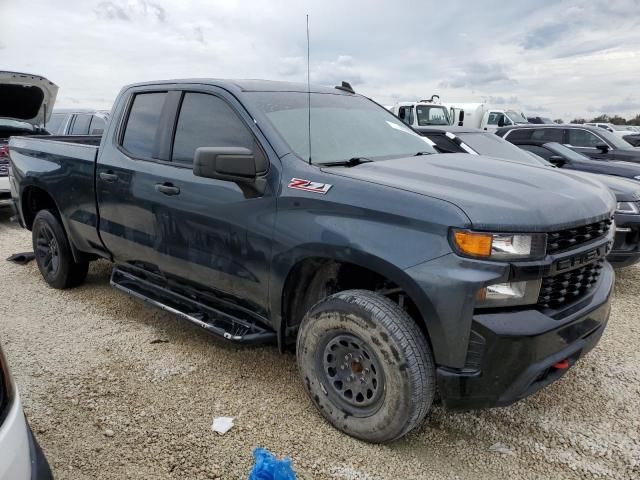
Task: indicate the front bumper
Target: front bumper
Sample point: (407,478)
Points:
(512,354)
(626,245)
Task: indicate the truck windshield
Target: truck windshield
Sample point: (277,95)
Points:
(431,115)
(516,117)
(342,127)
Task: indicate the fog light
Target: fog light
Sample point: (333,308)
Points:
(509,294)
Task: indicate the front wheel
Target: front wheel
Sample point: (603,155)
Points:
(53,253)
(366,365)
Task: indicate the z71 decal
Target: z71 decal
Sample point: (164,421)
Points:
(309,186)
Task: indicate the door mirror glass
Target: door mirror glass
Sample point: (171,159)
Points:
(233,164)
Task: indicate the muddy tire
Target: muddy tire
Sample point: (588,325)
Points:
(53,253)
(366,365)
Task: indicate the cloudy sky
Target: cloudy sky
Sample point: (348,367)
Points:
(557,58)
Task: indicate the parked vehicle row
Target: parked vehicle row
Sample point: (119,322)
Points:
(77,122)
(268,212)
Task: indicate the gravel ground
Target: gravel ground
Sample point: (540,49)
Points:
(116,389)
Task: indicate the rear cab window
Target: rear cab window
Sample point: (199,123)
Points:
(97,125)
(140,137)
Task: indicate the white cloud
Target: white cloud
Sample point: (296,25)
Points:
(557,56)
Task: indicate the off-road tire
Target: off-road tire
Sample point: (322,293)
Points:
(53,253)
(391,349)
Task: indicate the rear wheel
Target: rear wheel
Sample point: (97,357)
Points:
(366,365)
(53,253)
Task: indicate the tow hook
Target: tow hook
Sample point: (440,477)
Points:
(561,365)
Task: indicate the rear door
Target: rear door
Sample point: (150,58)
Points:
(129,167)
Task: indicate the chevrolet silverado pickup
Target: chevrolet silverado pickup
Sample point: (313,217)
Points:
(266,212)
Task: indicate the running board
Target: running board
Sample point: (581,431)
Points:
(214,321)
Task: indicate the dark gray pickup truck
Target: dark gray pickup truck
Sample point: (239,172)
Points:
(396,272)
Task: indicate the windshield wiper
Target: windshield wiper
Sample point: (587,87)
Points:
(352,162)
(419,154)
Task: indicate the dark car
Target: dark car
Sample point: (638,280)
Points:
(564,157)
(626,248)
(393,270)
(540,120)
(594,142)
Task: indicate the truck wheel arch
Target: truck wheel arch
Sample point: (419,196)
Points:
(310,278)
(35,198)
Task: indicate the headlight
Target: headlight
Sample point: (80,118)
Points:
(508,294)
(628,208)
(499,246)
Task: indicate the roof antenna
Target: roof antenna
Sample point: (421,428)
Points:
(309,88)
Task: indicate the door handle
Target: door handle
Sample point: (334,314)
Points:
(167,189)
(109,176)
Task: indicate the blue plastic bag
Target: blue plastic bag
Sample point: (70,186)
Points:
(268,467)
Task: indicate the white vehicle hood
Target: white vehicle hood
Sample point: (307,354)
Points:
(25,97)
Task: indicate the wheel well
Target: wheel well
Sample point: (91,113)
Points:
(312,279)
(35,199)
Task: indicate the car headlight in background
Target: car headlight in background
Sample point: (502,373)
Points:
(509,294)
(500,246)
(628,208)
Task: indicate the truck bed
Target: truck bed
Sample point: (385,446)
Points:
(66,165)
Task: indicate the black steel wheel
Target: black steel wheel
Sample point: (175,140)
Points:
(366,365)
(53,252)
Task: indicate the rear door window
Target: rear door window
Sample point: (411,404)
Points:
(81,124)
(207,121)
(56,123)
(583,138)
(548,135)
(97,125)
(141,131)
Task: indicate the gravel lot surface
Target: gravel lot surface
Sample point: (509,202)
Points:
(116,389)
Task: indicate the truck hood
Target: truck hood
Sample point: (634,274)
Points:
(495,194)
(27,98)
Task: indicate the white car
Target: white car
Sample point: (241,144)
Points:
(20,455)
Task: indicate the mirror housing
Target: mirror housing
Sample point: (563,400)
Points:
(231,164)
(234,164)
(501,121)
(557,160)
(603,147)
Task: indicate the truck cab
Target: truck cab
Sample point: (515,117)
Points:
(484,117)
(422,113)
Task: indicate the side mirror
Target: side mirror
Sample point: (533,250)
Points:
(603,147)
(557,160)
(234,164)
(501,121)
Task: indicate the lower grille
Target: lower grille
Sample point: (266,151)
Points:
(4,167)
(569,286)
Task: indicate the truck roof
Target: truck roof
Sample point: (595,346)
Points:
(248,85)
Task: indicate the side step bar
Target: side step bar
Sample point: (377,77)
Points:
(214,321)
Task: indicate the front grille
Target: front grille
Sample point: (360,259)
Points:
(565,287)
(566,239)
(4,167)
